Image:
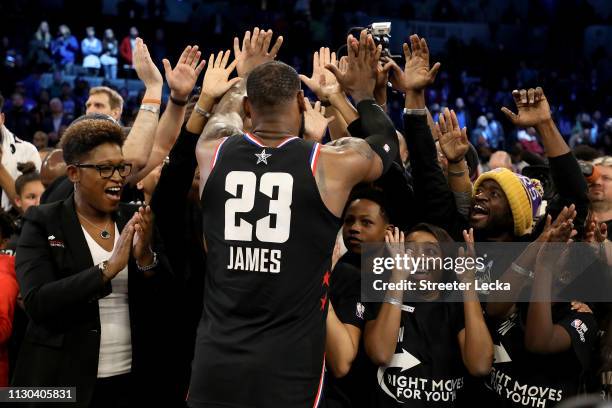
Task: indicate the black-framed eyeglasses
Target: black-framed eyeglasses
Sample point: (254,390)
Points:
(106,170)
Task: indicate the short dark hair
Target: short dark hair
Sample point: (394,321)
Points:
(272,84)
(1,102)
(85,134)
(367,192)
(28,174)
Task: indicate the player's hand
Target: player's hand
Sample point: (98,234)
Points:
(255,50)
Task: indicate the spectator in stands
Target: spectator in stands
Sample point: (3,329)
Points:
(462,114)
(105,100)
(64,49)
(481,135)
(28,187)
(13,151)
(91,47)
(39,54)
(128,45)
(600,191)
(18,118)
(497,131)
(110,49)
(499,159)
(40,140)
(53,123)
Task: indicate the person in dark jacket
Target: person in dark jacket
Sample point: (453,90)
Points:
(90,276)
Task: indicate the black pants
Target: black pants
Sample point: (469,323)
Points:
(112,392)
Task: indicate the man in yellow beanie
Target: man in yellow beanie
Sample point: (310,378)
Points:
(505,202)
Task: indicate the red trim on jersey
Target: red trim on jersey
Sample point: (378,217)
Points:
(254,139)
(320,389)
(314,160)
(215,157)
(287,141)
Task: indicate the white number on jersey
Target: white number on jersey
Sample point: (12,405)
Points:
(281,207)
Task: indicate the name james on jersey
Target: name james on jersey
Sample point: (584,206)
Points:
(254,259)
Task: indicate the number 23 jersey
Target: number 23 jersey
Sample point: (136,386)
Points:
(269,242)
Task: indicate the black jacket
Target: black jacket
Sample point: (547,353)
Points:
(61,287)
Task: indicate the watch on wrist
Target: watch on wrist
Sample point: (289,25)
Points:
(103,266)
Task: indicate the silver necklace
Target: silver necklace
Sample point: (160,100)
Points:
(104,233)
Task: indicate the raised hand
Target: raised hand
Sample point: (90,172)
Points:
(254,50)
(359,80)
(416,74)
(469,252)
(533,108)
(145,68)
(566,216)
(321,76)
(216,82)
(453,140)
(183,77)
(315,122)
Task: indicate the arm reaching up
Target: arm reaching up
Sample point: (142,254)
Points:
(533,110)
(216,83)
(181,80)
(138,144)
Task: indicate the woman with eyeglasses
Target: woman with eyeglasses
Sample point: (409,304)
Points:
(90,278)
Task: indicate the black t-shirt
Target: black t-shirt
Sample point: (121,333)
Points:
(520,378)
(427,369)
(353,390)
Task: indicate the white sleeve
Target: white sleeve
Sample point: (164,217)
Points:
(29,153)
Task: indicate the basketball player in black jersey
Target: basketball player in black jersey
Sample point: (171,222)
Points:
(271,207)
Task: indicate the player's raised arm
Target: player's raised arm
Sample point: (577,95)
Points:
(363,159)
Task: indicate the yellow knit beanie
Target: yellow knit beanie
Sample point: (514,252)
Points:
(524,196)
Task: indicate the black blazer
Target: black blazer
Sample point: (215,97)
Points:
(61,287)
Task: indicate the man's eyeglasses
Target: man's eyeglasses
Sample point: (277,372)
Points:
(106,170)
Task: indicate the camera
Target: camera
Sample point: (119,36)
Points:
(381,33)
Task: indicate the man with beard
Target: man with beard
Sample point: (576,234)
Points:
(600,191)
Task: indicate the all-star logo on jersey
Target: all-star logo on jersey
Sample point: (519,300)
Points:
(262,157)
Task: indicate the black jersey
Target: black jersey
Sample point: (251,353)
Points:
(269,237)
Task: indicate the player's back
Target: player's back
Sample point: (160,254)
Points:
(269,237)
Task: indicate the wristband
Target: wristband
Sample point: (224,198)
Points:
(150,108)
(393,301)
(201,111)
(152,101)
(456,173)
(455,161)
(178,102)
(419,111)
(149,267)
(521,271)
